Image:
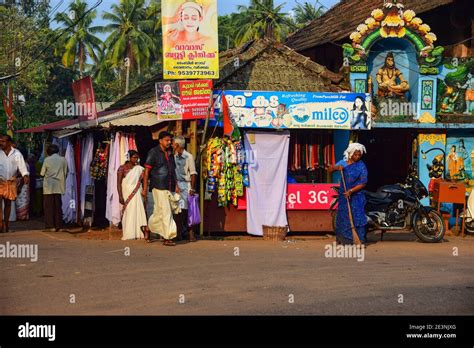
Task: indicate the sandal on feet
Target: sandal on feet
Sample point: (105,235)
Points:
(146,233)
(169,242)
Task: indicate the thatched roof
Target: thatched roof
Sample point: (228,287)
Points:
(343,18)
(261,65)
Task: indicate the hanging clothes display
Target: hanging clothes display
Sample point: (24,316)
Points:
(131,142)
(43,152)
(113,209)
(227,170)
(69,199)
(100,163)
(86,159)
(123,149)
(266,194)
(77,160)
(23,199)
(311,154)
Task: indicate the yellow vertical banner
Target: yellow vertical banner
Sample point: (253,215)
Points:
(190,40)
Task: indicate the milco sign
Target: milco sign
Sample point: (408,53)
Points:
(251,109)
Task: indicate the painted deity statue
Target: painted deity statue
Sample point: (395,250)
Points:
(391,81)
(469,87)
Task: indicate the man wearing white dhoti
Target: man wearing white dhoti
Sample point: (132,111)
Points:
(160,171)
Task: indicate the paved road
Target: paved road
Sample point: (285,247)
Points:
(265,278)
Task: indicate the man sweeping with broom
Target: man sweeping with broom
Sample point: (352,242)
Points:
(351,220)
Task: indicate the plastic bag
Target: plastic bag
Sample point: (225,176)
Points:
(194,215)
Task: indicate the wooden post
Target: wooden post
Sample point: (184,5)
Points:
(179,127)
(201,197)
(193,138)
(472,38)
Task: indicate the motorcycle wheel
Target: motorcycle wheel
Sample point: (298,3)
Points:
(434,234)
(469,229)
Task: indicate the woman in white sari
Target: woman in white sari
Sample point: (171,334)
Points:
(129,182)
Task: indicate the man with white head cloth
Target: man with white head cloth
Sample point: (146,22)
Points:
(186,176)
(355,174)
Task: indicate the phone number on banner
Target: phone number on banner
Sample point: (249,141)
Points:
(196,73)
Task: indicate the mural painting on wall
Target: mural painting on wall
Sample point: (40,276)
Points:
(450,158)
(392,54)
(432,166)
(460,159)
(456,87)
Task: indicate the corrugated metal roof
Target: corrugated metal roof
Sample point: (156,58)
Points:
(144,119)
(51,126)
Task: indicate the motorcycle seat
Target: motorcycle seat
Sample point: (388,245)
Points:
(377,196)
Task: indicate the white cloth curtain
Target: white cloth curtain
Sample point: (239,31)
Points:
(86,159)
(69,199)
(113,208)
(266,194)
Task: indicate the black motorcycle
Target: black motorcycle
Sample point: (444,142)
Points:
(398,208)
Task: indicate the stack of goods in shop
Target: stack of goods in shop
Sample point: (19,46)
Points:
(311,154)
(227,170)
(100,163)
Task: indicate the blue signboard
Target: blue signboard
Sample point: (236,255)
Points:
(287,110)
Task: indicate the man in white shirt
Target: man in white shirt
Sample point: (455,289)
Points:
(186,176)
(54,171)
(11,162)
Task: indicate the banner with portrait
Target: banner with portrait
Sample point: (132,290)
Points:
(190,40)
(290,110)
(183,100)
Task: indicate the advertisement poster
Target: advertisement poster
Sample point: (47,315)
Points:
(286,110)
(190,41)
(303,197)
(85,102)
(183,100)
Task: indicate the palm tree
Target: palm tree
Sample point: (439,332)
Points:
(308,12)
(129,43)
(227,32)
(261,19)
(79,43)
(152,26)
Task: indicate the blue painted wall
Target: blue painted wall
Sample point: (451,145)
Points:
(341,142)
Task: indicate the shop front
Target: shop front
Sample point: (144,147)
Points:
(291,139)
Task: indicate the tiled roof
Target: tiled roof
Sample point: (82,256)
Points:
(263,65)
(343,18)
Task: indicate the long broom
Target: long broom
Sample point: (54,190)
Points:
(355,236)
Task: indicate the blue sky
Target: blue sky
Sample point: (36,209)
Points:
(224,6)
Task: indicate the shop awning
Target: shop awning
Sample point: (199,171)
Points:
(145,119)
(51,126)
(142,115)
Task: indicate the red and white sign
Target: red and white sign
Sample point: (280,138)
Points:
(85,102)
(183,100)
(303,197)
